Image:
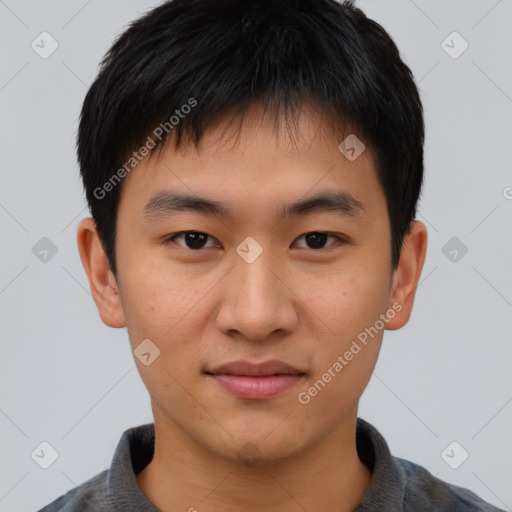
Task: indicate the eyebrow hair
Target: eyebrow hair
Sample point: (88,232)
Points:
(165,202)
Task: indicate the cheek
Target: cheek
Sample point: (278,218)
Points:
(170,313)
(346,301)
(348,343)
(350,306)
(153,294)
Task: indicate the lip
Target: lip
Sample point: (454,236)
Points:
(271,367)
(256,381)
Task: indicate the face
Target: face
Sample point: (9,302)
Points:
(247,283)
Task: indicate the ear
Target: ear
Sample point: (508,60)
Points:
(102,281)
(407,274)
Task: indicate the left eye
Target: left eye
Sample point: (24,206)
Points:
(318,239)
(195,240)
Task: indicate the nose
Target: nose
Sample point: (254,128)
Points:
(256,301)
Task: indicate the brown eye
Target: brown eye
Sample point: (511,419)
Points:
(317,239)
(193,240)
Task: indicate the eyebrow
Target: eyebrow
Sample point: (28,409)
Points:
(164,203)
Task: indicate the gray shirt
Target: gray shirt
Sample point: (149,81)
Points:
(397,484)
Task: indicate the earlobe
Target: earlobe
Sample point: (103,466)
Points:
(102,282)
(407,274)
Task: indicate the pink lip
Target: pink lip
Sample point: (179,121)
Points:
(256,381)
(257,388)
(271,367)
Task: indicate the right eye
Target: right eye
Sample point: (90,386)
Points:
(193,240)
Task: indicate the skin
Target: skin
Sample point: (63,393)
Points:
(295,303)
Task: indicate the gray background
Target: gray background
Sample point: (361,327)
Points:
(67,379)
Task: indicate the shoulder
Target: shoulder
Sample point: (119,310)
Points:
(430,493)
(88,497)
(399,484)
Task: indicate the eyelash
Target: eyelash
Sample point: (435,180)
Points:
(340,240)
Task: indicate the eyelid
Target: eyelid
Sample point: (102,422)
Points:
(340,240)
(171,238)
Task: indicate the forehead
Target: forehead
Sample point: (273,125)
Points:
(257,156)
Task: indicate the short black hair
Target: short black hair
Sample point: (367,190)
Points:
(211,56)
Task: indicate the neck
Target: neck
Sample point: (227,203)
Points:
(186,476)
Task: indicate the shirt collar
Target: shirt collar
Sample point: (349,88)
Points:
(387,488)
(133,453)
(136,447)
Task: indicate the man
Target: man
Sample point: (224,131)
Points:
(253,169)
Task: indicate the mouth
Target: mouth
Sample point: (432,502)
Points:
(256,381)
